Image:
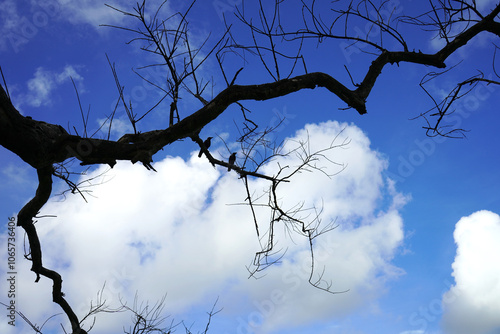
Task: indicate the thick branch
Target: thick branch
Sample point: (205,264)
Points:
(196,121)
(385,58)
(41,144)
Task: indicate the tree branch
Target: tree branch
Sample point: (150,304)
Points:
(25,220)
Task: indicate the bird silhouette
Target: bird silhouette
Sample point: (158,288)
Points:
(207,143)
(232,159)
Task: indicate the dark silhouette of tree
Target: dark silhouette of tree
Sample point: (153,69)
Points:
(280,45)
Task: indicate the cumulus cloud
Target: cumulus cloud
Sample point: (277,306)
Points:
(173,232)
(472,304)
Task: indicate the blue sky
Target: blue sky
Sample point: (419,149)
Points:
(417,243)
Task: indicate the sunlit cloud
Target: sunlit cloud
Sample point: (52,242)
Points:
(173,232)
(471,305)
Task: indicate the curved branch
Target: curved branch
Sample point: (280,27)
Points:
(25,220)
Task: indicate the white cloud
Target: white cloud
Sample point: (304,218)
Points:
(472,304)
(5,328)
(44,82)
(68,73)
(95,12)
(173,232)
(92,12)
(40,87)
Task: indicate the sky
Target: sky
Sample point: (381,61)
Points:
(416,248)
